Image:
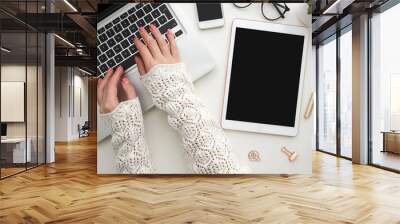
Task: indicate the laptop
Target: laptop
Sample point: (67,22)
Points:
(119,23)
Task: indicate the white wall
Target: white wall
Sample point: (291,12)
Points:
(33,126)
(12,73)
(12,101)
(80,84)
(17,73)
(61,103)
(68,82)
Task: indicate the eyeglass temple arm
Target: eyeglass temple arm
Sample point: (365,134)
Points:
(277,9)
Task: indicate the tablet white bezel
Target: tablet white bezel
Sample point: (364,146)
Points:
(257,127)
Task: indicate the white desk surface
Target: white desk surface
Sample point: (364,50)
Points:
(13,140)
(165,144)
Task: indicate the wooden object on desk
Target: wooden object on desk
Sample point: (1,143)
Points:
(291,155)
(391,141)
(310,106)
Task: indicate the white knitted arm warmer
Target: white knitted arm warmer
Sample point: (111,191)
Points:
(203,139)
(126,122)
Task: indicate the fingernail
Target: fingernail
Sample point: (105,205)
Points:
(169,30)
(109,69)
(125,80)
(152,26)
(141,28)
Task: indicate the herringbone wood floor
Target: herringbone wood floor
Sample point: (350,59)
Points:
(69,191)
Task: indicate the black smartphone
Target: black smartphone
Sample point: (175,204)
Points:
(210,15)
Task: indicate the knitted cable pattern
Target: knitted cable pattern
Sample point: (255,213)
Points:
(204,141)
(127,138)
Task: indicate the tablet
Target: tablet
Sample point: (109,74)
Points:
(264,77)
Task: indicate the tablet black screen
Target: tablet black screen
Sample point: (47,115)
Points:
(265,77)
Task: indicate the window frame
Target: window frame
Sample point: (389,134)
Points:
(29,29)
(336,36)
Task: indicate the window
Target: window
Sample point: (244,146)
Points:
(22,74)
(346,93)
(385,89)
(395,102)
(327,97)
(334,102)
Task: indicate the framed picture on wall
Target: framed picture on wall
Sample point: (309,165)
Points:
(13,99)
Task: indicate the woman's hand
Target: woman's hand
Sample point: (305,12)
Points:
(109,93)
(156,51)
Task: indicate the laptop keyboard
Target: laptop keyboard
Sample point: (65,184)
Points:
(115,40)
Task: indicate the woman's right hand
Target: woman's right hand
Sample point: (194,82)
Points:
(108,96)
(155,50)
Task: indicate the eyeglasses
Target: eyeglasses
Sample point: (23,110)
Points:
(280,10)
